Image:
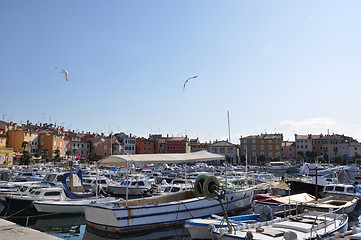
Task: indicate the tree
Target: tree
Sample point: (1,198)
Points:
(74,151)
(338,159)
(24,144)
(68,153)
(57,155)
(44,153)
(25,158)
(262,160)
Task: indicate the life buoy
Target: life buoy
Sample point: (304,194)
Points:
(209,187)
(198,185)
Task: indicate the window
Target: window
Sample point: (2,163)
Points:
(105,147)
(270,154)
(270,141)
(253,141)
(244,141)
(270,147)
(277,147)
(253,147)
(262,147)
(262,141)
(52,194)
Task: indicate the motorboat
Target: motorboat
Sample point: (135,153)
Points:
(199,227)
(309,225)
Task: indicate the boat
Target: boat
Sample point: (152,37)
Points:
(137,215)
(307,226)
(135,187)
(159,211)
(199,227)
(282,167)
(342,191)
(300,202)
(70,206)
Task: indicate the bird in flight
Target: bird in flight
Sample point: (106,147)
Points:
(184,86)
(65,73)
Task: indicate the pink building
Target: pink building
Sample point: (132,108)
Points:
(288,150)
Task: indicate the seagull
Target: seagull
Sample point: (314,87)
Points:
(184,86)
(65,72)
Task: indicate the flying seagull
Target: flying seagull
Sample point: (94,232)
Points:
(65,73)
(184,86)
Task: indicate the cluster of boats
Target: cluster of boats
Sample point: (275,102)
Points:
(129,199)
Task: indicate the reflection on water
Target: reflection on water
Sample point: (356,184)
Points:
(59,225)
(73,227)
(173,233)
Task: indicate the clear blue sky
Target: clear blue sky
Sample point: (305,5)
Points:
(284,66)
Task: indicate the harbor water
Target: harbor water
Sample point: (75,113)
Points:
(74,227)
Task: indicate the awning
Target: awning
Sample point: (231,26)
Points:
(201,156)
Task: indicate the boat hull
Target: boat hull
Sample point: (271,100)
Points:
(150,216)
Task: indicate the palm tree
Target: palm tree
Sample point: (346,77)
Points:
(68,153)
(44,153)
(24,144)
(57,155)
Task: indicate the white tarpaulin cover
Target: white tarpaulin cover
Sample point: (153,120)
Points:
(201,156)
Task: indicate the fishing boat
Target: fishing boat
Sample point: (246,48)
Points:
(137,215)
(310,225)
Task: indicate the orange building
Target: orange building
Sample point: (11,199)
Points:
(144,146)
(17,137)
(51,140)
(271,146)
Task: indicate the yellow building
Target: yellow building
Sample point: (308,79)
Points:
(51,140)
(2,139)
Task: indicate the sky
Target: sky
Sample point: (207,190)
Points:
(276,66)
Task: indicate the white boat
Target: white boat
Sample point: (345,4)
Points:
(89,183)
(136,215)
(342,191)
(69,206)
(159,211)
(135,187)
(311,225)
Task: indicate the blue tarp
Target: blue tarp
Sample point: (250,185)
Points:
(70,194)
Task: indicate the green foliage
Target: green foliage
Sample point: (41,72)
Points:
(57,155)
(68,153)
(25,158)
(44,153)
(262,160)
(24,144)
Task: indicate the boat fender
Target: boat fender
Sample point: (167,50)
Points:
(290,235)
(210,186)
(198,185)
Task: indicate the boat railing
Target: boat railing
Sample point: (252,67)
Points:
(333,215)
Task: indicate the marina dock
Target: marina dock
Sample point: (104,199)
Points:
(12,231)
